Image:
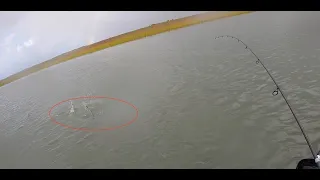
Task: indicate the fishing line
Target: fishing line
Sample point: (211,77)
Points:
(276,92)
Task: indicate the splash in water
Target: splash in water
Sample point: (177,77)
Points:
(72,108)
(86,108)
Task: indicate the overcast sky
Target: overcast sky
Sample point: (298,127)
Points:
(28,38)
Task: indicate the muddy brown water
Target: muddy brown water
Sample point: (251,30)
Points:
(203,103)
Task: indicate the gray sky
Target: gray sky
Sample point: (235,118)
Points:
(28,38)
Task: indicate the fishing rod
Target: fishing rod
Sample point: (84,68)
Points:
(276,92)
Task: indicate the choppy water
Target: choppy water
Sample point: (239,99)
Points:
(203,103)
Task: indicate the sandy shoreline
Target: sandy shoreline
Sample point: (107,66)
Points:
(123,38)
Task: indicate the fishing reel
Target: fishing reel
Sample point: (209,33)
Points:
(304,163)
(309,163)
